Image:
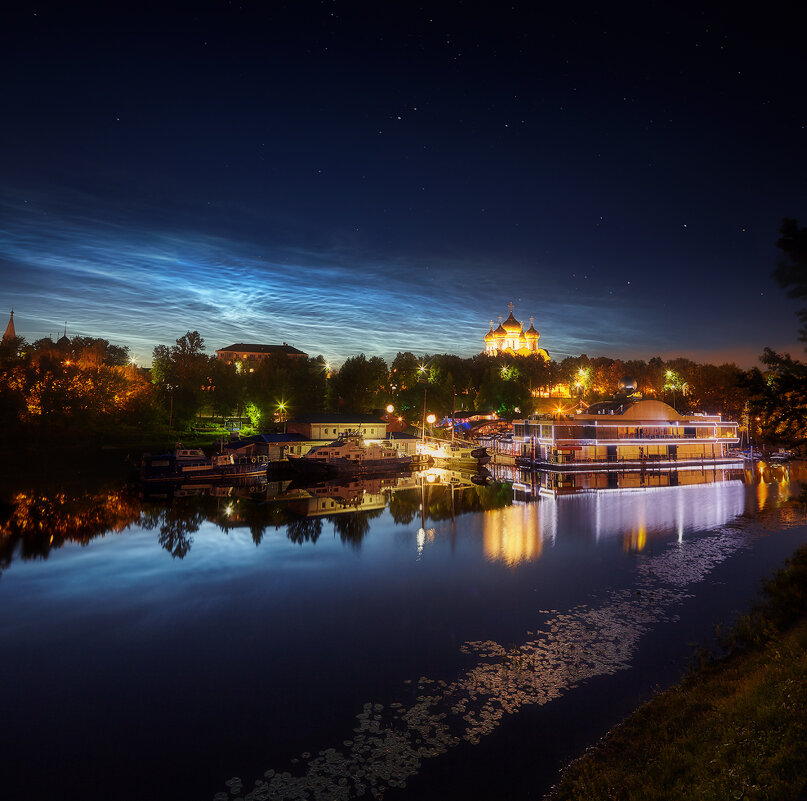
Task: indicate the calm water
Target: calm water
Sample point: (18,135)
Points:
(419,638)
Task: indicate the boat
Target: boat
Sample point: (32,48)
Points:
(191,464)
(349,454)
(454,454)
(781,456)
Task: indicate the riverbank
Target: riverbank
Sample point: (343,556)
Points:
(734,728)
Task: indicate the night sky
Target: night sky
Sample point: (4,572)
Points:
(379,177)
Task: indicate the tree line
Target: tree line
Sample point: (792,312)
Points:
(91,382)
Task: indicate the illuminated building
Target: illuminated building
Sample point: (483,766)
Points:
(510,337)
(241,352)
(645,434)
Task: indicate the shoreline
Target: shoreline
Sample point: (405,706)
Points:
(732,727)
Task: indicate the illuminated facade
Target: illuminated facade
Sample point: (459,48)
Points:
(644,434)
(510,337)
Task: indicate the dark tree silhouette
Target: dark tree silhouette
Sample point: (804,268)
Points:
(792,273)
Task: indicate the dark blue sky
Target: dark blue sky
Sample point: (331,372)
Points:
(378,177)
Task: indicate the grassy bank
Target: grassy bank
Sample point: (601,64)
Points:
(735,728)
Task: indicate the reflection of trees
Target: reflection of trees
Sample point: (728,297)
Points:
(353,527)
(39,522)
(404,505)
(179,523)
(307,529)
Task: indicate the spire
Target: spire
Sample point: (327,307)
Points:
(10,334)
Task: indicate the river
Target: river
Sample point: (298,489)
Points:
(424,637)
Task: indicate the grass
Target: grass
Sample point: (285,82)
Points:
(735,728)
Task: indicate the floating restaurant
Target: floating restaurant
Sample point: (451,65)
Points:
(623,435)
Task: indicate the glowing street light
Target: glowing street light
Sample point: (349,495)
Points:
(390,408)
(431,419)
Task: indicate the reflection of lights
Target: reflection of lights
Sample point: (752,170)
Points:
(431,478)
(636,540)
(424,535)
(512,535)
(229,510)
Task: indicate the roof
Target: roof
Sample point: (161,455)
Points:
(267,439)
(337,418)
(401,435)
(240,347)
(511,324)
(651,410)
(10,332)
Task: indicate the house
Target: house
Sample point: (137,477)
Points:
(327,427)
(242,352)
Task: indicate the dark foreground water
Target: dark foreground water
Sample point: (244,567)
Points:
(418,638)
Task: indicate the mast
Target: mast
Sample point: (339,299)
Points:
(423,430)
(453,412)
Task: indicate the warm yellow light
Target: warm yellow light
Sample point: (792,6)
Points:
(430,419)
(390,408)
(431,478)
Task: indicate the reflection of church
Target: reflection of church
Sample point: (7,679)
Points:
(510,337)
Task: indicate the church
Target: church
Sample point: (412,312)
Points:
(510,337)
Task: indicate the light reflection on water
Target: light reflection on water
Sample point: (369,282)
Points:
(391,540)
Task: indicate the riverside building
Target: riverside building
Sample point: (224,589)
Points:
(628,434)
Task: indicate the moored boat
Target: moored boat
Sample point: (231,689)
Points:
(455,454)
(350,455)
(191,464)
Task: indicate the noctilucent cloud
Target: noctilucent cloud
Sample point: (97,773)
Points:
(351,178)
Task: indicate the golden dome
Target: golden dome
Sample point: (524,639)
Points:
(511,325)
(490,335)
(500,332)
(531,333)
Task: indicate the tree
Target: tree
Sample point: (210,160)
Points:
(792,273)
(361,383)
(181,371)
(779,398)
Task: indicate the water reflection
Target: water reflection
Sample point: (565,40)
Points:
(388,744)
(595,504)
(35,522)
(502,536)
(514,534)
